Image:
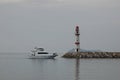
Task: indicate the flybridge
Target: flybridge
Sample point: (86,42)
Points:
(40,49)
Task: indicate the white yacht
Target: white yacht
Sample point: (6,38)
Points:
(39,53)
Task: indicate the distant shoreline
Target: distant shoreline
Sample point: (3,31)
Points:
(92,55)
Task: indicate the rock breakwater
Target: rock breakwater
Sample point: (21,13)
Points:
(92,55)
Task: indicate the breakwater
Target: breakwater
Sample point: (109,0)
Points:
(92,55)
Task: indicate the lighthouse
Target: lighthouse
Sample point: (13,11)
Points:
(77,43)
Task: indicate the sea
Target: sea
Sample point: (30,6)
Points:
(14,66)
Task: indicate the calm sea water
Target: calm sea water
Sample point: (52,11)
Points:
(19,67)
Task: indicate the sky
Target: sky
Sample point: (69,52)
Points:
(50,24)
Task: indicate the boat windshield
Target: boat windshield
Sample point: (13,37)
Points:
(42,53)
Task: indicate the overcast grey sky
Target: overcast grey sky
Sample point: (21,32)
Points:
(25,24)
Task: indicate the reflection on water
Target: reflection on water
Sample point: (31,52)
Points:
(18,67)
(77,69)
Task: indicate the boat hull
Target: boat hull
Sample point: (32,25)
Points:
(42,57)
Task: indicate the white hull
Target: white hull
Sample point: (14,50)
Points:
(42,57)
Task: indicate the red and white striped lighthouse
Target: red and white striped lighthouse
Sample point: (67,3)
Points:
(77,43)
